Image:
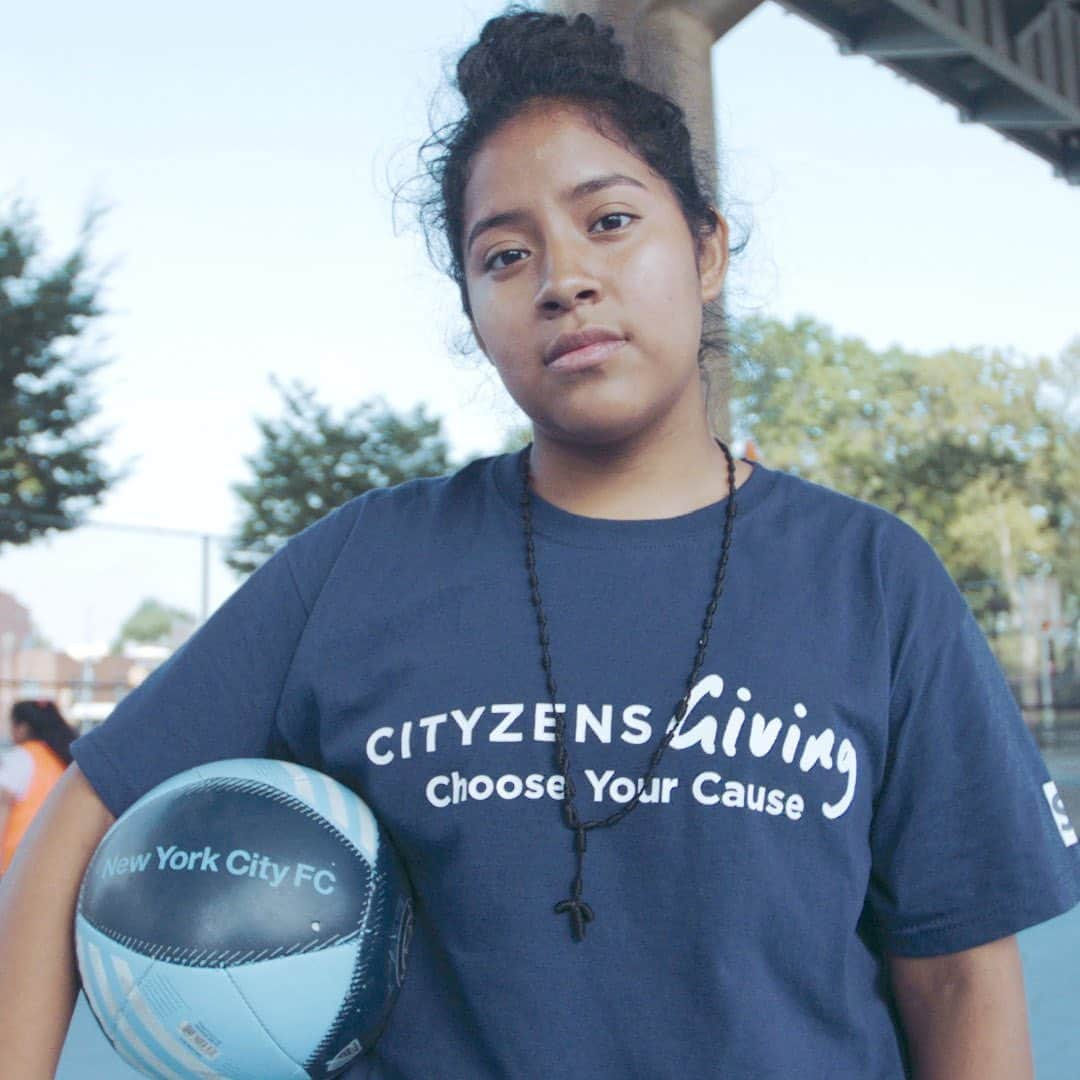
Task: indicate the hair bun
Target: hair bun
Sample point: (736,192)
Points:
(525,53)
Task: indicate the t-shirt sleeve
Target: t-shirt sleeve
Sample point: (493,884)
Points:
(970,841)
(16,772)
(219,695)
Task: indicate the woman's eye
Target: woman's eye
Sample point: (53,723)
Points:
(493,262)
(617,217)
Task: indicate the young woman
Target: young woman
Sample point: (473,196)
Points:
(698,769)
(31,769)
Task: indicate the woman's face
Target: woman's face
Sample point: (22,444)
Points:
(565,231)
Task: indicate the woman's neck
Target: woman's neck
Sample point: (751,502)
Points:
(633,482)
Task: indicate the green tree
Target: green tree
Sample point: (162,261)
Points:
(309,462)
(977,450)
(154,623)
(51,470)
(1055,474)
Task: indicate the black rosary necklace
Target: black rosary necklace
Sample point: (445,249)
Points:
(580,913)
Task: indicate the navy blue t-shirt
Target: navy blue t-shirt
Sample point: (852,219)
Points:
(853,777)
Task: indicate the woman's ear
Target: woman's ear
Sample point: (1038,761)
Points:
(713,259)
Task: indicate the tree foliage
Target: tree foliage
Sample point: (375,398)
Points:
(309,462)
(977,450)
(155,623)
(51,470)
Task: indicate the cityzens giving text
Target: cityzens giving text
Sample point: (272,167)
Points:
(742,733)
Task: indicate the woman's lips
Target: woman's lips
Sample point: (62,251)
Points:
(588,356)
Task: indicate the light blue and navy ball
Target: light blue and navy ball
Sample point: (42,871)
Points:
(245,919)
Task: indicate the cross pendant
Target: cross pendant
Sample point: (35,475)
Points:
(580,915)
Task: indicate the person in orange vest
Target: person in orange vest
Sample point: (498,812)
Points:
(30,768)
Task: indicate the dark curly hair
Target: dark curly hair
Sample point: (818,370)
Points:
(524,55)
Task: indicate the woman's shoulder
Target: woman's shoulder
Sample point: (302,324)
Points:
(429,493)
(843,526)
(411,499)
(823,504)
(392,516)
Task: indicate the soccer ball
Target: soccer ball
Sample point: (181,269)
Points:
(247,919)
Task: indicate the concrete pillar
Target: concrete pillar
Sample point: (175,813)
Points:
(668,48)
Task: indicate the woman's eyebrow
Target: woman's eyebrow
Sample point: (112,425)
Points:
(598,183)
(507,217)
(586,187)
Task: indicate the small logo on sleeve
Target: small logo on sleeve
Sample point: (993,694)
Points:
(1061,817)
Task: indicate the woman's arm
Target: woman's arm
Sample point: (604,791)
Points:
(38,980)
(964,1014)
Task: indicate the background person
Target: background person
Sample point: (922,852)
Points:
(30,769)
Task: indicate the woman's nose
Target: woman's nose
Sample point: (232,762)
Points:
(568,278)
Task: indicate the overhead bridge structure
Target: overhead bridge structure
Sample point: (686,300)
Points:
(1011,65)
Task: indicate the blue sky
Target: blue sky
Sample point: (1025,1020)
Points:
(248,153)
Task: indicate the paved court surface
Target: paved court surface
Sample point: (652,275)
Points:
(1051,963)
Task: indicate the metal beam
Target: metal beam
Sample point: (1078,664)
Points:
(1019,79)
(896,36)
(1007,107)
(981,47)
(1070,160)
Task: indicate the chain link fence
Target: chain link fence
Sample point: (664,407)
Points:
(86,615)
